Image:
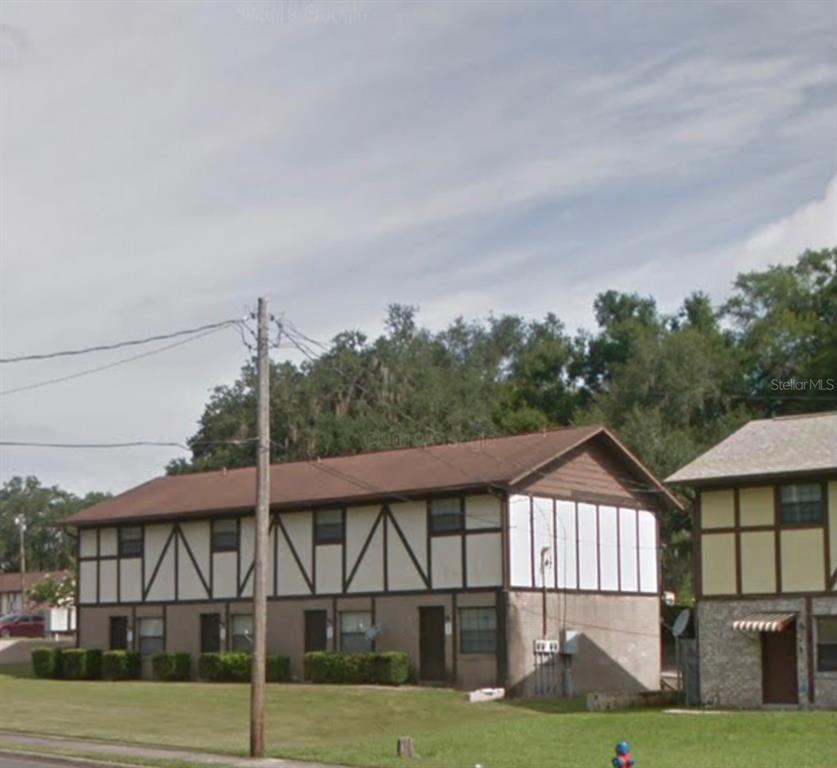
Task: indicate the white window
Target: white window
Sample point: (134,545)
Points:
(801,503)
(328,526)
(130,541)
(225,535)
(353,628)
(152,636)
(242,632)
(446,515)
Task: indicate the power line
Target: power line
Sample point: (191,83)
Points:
(117,345)
(126,444)
(89,371)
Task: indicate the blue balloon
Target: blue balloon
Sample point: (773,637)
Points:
(622,748)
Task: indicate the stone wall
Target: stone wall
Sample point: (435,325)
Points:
(825,683)
(730,661)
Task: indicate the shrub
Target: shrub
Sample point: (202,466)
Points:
(81,663)
(392,668)
(46,662)
(121,665)
(278,669)
(172,666)
(236,667)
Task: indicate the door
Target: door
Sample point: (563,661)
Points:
(119,633)
(210,632)
(778,666)
(316,633)
(432,643)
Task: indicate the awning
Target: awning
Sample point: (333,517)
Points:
(764,622)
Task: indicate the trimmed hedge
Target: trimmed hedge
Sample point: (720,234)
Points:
(172,666)
(81,663)
(121,665)
(235,667)
(392,668)
(46,662)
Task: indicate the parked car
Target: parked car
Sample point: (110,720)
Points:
(21,625)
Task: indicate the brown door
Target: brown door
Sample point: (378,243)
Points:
(432,643)
(315,631)
(210,632)
(778,666)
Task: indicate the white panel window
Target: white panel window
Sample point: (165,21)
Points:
(328,526)
(520,542)
(107,581)
(446,560)
(485,560)
(88,579)
(152,636)
(242,632)
(566,541)
(87,545)
(354,626)
(647,552)
(542,518)
(587,550)
(329,570)
(482,512)
(627,546)
(608,550)
(107,542)
(130,580)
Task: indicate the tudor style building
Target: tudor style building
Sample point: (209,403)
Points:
(766,563)
(462,555)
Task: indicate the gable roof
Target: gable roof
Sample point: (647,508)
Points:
(500,462)
(784,445)
(17,582)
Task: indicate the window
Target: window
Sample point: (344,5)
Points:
(224,535)
(477,630)
(801,503)
(152,637)
(445,515)
(328,526)
(130,541)
(827,644)
(242,632)
(353,628)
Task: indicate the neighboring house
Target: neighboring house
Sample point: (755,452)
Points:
(766,563)
(14,586)
(439,551)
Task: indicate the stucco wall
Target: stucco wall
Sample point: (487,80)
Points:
(619,647)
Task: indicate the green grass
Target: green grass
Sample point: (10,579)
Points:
(359,726)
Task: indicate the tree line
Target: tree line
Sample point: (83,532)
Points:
(670,385)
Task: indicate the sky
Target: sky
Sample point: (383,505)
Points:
(163,165)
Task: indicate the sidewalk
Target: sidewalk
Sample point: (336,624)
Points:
(80,749)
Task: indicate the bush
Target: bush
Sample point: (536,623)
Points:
(46,662)
(391,668)
(236,667)
(278,669)
(81,663)
(121,665)
(172,666)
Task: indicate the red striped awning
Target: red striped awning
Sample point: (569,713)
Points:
(764,622)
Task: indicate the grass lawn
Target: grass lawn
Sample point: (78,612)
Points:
(357,726)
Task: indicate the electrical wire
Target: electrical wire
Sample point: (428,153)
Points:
(126,444)
(119,344)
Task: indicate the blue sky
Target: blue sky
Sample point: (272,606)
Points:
(164,164)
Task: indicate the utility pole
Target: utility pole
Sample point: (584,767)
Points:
(21,524)
(257,687)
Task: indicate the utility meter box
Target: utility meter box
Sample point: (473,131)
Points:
(546,645)
(570,639)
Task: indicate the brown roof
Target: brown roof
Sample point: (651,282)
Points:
(11,582)
(501,461)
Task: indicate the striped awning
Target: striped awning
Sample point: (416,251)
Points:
(764,622)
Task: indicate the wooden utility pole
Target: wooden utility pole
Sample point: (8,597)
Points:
(257,687)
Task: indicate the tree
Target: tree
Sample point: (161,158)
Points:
(48,547)
(53,591)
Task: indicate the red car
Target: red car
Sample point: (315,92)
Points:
(21,625)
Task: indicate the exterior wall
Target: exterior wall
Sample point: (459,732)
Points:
(591,547)
(745,549)
(385,548)
(619,649)
(825,683)
(397,616)
(730,661)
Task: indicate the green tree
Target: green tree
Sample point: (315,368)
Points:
(53,591)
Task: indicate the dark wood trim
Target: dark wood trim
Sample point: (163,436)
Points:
(777,544)
(274,530)
(295,555)
(454,628)
(176,562)
(363,549)
(736,504)
(463,548)
(342,555)
(142,562)
(809,648)
(247,576)
(532,538)
(385,514)
(411,554)
(238,555)
(826,536)
(749,481)
(314,551)
(163,552)
(165,626)
(429,544)
(504,540)
(98,565)
(118,580)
